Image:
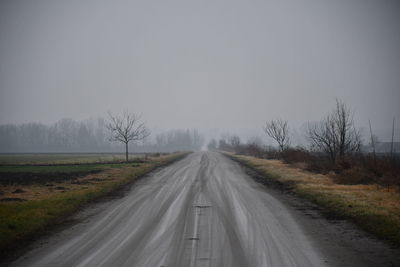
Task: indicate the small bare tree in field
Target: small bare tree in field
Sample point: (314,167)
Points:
(126,128)
(336,135)
(279,131)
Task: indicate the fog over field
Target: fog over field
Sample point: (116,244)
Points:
(219,133)
(216,66)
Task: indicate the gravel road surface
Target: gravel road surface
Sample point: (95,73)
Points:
(201,211)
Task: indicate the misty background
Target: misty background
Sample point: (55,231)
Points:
(194,69)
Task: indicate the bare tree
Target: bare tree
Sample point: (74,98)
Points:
(126,128)
(279,131)
(373,140)
(336,135)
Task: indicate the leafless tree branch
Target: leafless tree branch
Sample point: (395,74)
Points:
(126,128)
(336,135)
(279,131)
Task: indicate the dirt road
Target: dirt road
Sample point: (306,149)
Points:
(201,211)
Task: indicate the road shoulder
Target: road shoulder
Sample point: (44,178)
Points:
(85,202)
(344,243)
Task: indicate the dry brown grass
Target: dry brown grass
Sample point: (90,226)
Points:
(373,207)
(51,189)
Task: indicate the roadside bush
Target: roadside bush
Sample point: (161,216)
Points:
(367,170)
(271,154)
(251,149)
(319,164)
(255,150)
(355,175)
(385,169)
(350,170)
(295,155)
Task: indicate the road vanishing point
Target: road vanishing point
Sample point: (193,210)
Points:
(203,210)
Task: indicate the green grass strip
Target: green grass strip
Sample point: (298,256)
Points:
(20,221)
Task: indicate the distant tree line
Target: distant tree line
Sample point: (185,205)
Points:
(91,136)
(179,140)
(66,135)
(335,136)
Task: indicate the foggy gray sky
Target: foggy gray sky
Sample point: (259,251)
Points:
(202,64)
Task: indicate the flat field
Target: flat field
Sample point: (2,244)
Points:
(62,158)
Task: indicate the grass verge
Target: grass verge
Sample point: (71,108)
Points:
(374,208)
(53,168)
(61,158)
(33,209)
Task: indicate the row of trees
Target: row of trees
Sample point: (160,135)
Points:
(94,136)
(65,135)
(335,135)
(178,140)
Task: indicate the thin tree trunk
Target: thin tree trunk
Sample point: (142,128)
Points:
(126,151)
(372,140)
(391,145)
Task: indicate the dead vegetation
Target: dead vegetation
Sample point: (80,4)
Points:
(375,207)
(353,169)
